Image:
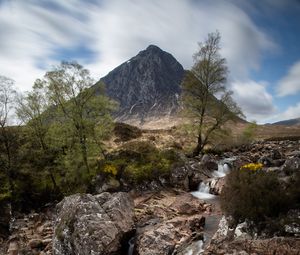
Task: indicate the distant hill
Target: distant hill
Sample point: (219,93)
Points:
(147,85)
(290,122)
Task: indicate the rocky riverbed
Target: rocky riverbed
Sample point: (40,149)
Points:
(170,220)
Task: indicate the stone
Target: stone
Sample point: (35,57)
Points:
(187,204)
(163,238)
(35,243)
(179,177)
(89,224)
(291,165)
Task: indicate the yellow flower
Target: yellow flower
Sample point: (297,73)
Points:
(110,169)
(252,166)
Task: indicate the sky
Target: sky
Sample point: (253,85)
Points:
(260,40)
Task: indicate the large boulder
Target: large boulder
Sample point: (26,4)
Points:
(291,165)
(166,237)
(179,177)
(95,225)
(167,220)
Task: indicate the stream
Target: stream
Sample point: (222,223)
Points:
(212,219)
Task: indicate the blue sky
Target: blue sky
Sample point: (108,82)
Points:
(260,40)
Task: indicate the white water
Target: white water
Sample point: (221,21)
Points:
(131,246)
(203,192)
(223,169)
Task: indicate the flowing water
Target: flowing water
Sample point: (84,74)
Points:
(212,220)
(130,246)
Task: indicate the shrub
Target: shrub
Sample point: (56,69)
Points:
(139,161)
(252,195)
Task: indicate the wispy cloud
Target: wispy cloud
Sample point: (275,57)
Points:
(290,84)
(36,32)
(256,102)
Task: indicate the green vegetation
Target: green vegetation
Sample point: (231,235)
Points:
(201,85)
(139,162)
(260,198)
(249,133)
(56,150)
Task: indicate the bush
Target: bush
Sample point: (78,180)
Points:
(138,162)
(256,196)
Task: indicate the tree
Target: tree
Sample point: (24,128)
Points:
(33,110)
(77,107)
(8,134)
(201,85)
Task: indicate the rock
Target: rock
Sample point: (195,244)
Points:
(179,177)
(13,248)
(166,220)
(291,165)
(187,204)
(266,161)
(275,154)
(207,162)
(89,224)
(164,238)
(241,231)
(275,245)
(217,185)
(35,243)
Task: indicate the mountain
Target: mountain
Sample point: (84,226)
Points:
(147,85)
(290,122)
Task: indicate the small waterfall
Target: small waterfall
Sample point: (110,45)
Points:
(203,191)
(212,221)
(130,246)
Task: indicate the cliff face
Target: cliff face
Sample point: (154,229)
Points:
(147,85)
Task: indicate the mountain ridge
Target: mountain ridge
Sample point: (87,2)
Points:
(288,122)
(145,86)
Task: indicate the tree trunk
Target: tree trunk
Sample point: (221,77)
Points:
(84,154)
(199,146)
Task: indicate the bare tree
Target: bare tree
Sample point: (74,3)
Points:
(201,85)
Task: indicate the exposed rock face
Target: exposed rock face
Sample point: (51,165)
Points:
(147,85)
(89,224)
(166,221)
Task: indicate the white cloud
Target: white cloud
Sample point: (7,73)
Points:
(254,99)
(290,84)
(291,113)
(117,30)
(125,27)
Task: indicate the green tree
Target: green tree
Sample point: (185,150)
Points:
(201,85)
(33,110)
(8,134)
(85,116)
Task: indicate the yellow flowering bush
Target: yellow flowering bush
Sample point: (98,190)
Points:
(252,166)
(110,169)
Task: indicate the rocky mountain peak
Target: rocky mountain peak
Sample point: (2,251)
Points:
(146,86)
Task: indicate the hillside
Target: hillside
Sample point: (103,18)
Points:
(289,122)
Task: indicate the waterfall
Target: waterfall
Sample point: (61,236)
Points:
(203,191)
